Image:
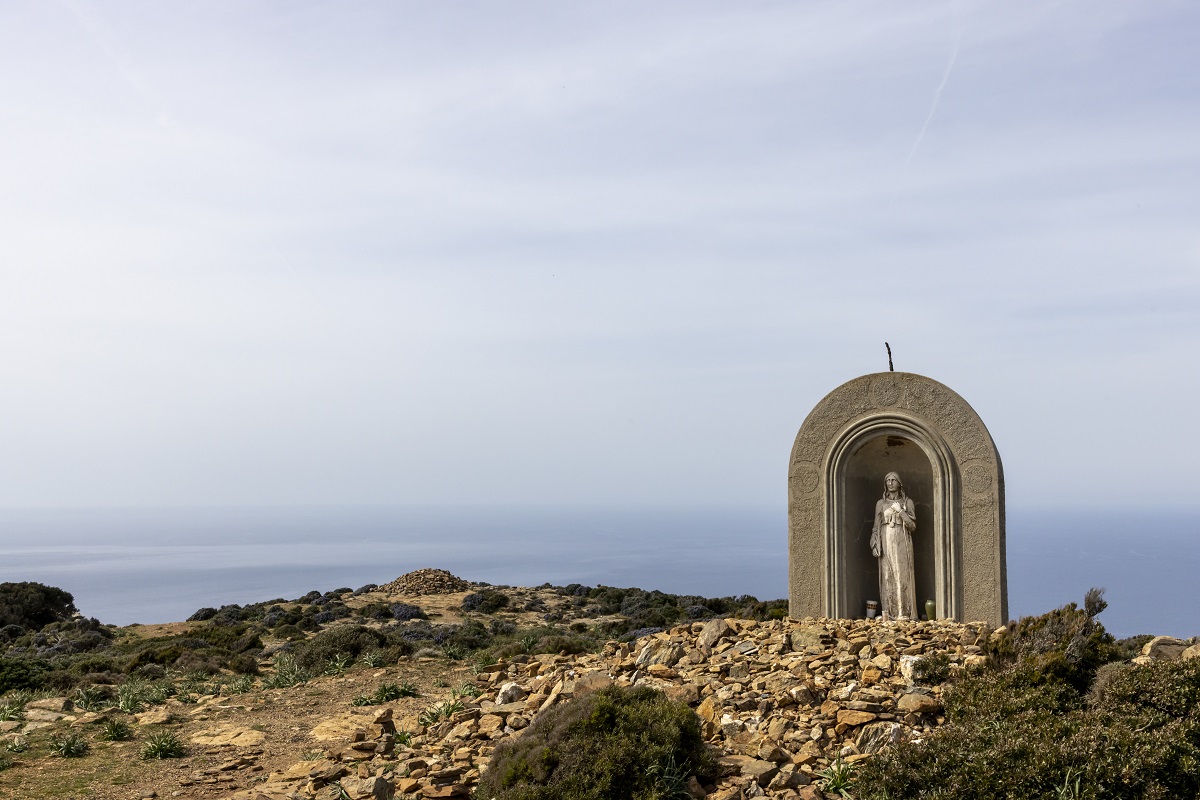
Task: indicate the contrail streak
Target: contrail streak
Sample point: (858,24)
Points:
(937,95)
(90,19)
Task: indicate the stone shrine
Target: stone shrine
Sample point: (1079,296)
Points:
(914,427)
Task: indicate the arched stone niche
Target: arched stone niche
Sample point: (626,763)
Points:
(915,426)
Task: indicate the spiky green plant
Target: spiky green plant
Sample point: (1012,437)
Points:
(670,780)
(114,730)
(466,689)
(838,777)
(159,692)
(288,673)
(70,745)
(91,698)
(131,696)
(373,659)
(10,711)
(164,744)
(338,664)
(240,685)
(438,712)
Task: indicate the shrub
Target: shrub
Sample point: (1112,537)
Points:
(402,612)
(33,605)
(1068,639)
(206,663)
(348,640)
(488,601)
(1028,729)
(21,673)
(613,744)
(375,611)
(243,664)
(932,669)
(289,633)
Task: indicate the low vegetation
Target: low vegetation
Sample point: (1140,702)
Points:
(613,744)
(1059,712)
(46,645)
(163,744)
(1057,715)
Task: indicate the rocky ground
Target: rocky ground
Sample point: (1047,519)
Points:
(781,701)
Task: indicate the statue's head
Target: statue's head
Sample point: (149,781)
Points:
(892,484)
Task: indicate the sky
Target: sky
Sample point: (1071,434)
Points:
(293,253)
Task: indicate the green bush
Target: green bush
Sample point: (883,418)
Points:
(234,638)
(33,605)
(1033,727)
(932,669)
(613,744)
(487,601)
(289,633)
(375,611)
(1069,640)
(343,640)
(21,673)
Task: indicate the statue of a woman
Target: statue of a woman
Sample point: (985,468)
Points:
(891,543)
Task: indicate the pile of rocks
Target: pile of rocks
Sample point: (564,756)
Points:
(426,581)
(780,700)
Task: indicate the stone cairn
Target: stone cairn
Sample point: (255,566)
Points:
(426,581)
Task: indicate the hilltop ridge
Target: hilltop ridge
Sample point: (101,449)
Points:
(347,709)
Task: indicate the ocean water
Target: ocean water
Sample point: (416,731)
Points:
(160,565)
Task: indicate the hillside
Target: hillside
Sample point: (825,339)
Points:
(786,703)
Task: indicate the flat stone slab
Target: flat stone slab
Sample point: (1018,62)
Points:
(229,736)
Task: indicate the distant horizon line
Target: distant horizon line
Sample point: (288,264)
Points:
(781,506)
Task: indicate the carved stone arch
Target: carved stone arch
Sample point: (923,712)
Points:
(845,446)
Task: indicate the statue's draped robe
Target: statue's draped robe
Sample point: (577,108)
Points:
(897,578)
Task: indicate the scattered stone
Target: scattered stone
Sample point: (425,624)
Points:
(1164,648)
(917,703)
(228,736)
(155,716)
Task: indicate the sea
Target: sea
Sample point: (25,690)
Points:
(150,565)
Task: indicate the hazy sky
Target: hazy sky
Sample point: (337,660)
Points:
(609,252)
